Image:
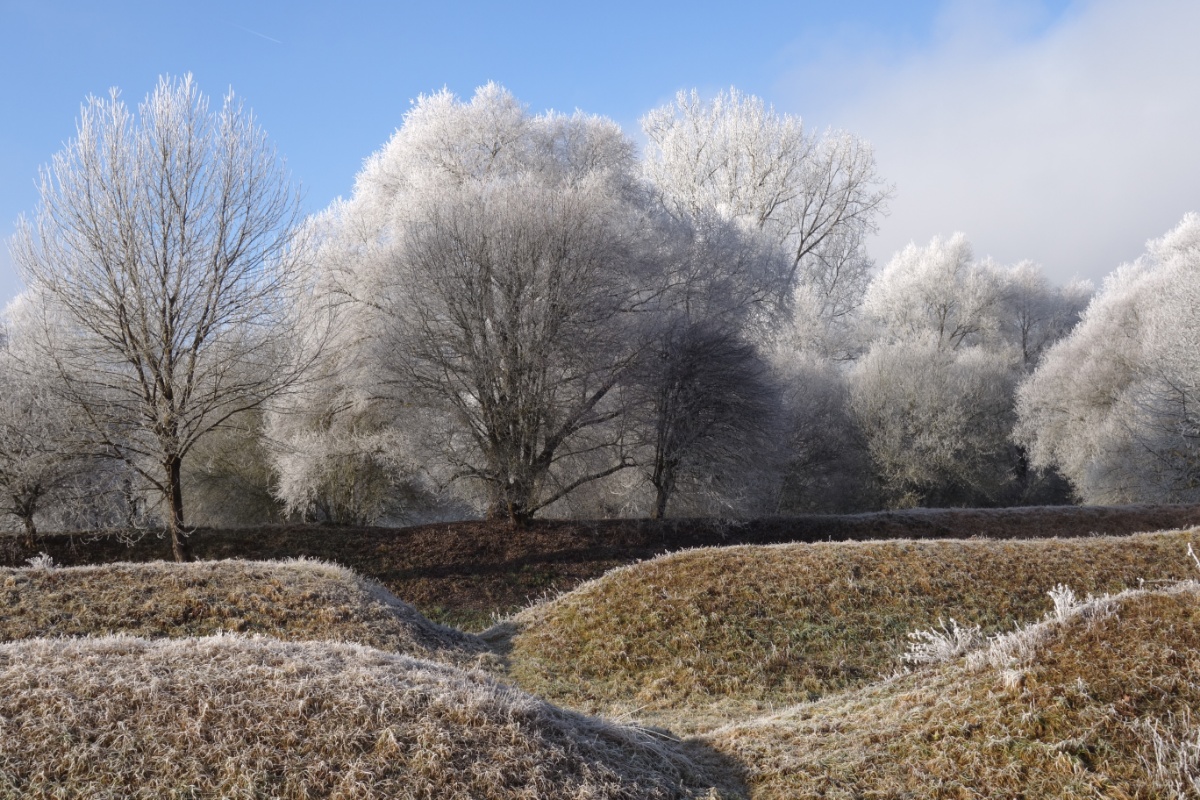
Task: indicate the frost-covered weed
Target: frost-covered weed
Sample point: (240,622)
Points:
(943,642)
(1004,651)
(41,561)
(1172,754)
(1065,602)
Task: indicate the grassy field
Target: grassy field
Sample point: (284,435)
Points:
(786,669)
(1097,705)
(694,638)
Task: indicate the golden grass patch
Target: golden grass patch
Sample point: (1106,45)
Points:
(1070,718)
(238,717)
(693,637)
(294,600)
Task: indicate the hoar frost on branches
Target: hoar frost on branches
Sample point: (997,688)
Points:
(934,395)
(936,422)
(335,447)
(51,473)
(499,266)
(41,461)
(1113,405)
(814,199)
(161,247)
(524,301)
(818,197)
(338,452)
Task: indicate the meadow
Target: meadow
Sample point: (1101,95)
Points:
(689,659)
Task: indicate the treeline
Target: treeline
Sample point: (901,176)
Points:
(519,314)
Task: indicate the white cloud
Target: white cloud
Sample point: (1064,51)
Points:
(1070,144)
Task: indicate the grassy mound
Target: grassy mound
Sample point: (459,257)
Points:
(464,573)
(692,638)
(235,717)
(1096,705)
(293,600)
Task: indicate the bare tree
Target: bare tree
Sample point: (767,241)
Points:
(705,397)
(161,247)
(514,318)
(712,403)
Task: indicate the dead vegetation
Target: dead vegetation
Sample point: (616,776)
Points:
(1092,705)
(462,573)
(793,658)
(696,638)
(236,717)
(293,600)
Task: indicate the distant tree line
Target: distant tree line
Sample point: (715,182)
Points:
(518,314)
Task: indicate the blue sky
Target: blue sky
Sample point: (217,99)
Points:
(1002,119)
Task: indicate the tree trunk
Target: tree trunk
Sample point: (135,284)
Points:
(30,530)
(663,481)
(511,509)
(660,504)
(518,513)
(179,543)
(1022,469)
(25,506)
(513,495)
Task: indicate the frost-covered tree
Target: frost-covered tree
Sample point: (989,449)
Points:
(1112,406)
(40,457)
(816,196)
(335,447)
(941,293)
(161,245)
(342,475)
(937,422)
(228,476)
(51,474)
(1034,314)
(934,395)
(501,268)
(814,199)
(937,294)
(707,401)
(339,454)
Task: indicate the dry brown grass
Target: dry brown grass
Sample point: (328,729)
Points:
(235,717)
(1069,720)
(694,639)
(464,573)
(776,650)
(293,600)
